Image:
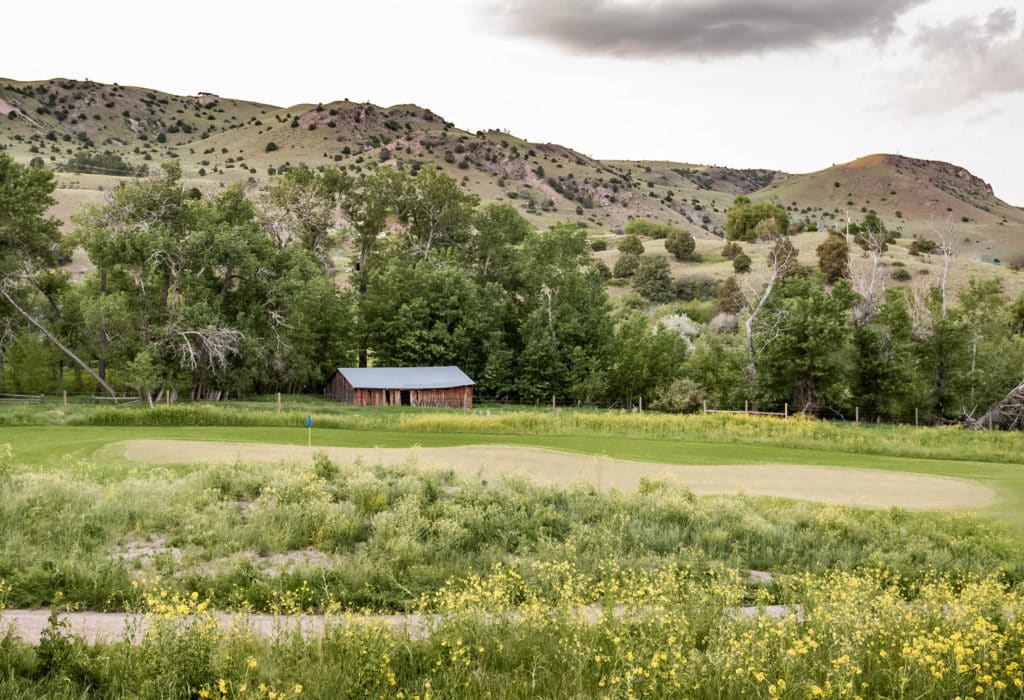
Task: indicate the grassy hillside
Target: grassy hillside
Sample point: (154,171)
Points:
(219,140)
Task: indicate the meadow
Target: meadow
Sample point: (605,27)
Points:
(526,589)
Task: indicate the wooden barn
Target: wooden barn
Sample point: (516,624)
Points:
(438,387)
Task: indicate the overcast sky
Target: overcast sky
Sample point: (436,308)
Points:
(791,84)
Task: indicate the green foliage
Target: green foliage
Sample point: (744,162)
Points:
(833,258)
(731,249)
(681,244)
(747,221)
(681,396)
(696,288)
(652,279)
(105,163)
(631,245)
(626,265)
(741,263)
(730,299)
(649,229)
(270,147)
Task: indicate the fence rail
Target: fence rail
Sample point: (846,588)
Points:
(22,398)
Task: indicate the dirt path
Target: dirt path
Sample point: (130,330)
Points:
(95,627)
(861,487)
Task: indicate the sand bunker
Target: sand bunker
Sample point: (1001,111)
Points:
(862,487)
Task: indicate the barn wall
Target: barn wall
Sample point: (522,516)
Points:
(340,390)
(457,397)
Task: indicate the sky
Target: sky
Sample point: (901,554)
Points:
(795,85)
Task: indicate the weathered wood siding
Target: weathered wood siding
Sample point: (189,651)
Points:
(340,390)
(456,397)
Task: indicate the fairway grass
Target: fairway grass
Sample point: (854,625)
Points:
(97,449)
(843,486)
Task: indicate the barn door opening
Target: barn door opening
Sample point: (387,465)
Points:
(387,397)
(405,399)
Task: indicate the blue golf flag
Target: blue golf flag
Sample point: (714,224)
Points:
(309,421)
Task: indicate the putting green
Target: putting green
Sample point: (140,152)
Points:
(845,486)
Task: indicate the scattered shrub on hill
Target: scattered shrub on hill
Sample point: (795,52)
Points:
(696,288)
(652,279)
(922,245)
(648,228)
(833,258)
(731,249)
(741,263)
(107,163)
(631,245)
(730,299)
(270,147)
(626,265)
(681,244)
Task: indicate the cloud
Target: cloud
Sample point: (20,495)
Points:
(695,28)
(966,59)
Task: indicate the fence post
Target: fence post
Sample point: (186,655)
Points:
(65,402)
(916,419)
(641,404)
(554,406)
(279,402)
(856,415)
(746,408)
(785,410)
(705,407)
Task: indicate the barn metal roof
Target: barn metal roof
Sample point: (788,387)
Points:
(405,377)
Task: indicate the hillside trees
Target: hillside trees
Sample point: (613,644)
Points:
(749,221)
(681,244)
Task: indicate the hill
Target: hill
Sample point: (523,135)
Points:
(108,132)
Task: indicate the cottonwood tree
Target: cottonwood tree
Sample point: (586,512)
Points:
(30,245)
(781,261)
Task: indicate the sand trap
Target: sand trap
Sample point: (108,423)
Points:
(863,487)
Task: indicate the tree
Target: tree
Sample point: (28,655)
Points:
(731,249)
(652,280)
(802,339)
(567,329)
(744,218)
(437,212)
(681,244)
(730,298)
(30,244)
(646,359)
(834,258)
(626,265)
(631,245)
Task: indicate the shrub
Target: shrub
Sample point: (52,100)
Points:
(631,245)
(652,279)
(833,258)
(681,244)
(730,300)
(741,263)
(731,249)
(681,396)
(626,265)
(270,147)
(599,244)
(648,228)
(922,245)
(901,274)
(696,288)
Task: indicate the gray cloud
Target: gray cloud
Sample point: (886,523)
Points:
(967,58)
(695,28)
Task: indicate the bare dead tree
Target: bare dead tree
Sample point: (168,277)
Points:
(781,259)
(866,274)
(1007,413)
(950,241)
(210,346)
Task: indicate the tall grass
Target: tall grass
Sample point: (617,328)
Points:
(380,537)
(662,634)
(795,433)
